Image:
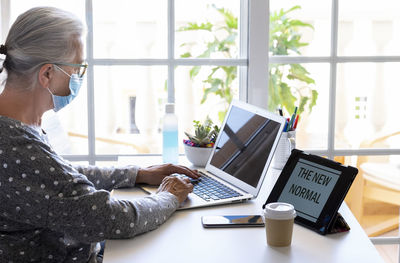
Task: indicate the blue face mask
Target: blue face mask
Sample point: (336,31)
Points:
(75,84)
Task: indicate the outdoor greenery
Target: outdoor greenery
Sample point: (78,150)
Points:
(217,83)
(285,40)
(290,85)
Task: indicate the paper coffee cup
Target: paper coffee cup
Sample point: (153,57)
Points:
(279,219)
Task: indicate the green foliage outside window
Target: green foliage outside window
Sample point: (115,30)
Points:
(215,84)
(284,40)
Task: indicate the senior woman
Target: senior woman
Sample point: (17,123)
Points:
(51,210)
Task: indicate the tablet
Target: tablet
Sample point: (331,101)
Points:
(315,186)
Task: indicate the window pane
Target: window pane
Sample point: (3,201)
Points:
(367,105)
(67,129)
(74,6)
(130,29)
(368,196)
(291,84)
(207,29)
(84,163)
(285,29)
(369,28)
(109,163)
(191,91)
(129,104)
(74,123)
(389,252)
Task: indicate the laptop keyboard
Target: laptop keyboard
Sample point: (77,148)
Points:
(209,189)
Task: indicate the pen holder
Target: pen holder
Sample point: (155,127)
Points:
(286,144)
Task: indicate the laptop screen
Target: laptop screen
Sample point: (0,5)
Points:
(244,145)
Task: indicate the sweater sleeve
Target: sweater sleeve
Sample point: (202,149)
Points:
(91,215)
(67,202)
(87,213)
(48,207)
(109,178)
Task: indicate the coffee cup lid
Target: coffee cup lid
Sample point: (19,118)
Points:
(279,210)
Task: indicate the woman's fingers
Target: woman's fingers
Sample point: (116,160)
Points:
(176,186)
(189,172)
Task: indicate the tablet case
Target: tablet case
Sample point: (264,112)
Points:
(338,224)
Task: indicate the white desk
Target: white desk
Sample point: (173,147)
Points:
(183,239)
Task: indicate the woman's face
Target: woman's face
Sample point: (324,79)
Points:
(61,81)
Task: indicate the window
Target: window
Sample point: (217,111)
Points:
(352,54)
(138,60)
(142,54)
(352,57)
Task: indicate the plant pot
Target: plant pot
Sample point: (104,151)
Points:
(198,156)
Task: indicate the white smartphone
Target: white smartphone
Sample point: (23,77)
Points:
(232,221)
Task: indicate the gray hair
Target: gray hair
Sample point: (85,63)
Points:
(41,35)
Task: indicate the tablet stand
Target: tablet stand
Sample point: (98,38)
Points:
(339,225)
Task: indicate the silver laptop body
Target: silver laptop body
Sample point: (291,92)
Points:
(241,155)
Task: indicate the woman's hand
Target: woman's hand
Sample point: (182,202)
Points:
(176,186)
(154,175)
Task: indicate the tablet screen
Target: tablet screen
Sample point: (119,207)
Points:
(309,187)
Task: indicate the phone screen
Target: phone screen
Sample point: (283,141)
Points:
(232,221)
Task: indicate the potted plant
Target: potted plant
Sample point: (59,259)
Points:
(198,147)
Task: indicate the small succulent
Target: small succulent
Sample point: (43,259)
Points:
(205,134)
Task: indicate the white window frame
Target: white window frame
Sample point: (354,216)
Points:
(253,65)
(333,59)
(251,62)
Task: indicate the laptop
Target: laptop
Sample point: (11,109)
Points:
(240,158)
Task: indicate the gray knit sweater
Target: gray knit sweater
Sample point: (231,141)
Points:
(53,211)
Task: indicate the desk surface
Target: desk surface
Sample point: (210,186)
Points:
(183,239)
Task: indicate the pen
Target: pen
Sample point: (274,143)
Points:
(285,127)
(291,122)
(295,122)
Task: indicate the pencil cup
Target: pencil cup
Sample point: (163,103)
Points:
(286,144)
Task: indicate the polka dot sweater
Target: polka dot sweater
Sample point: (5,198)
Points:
(53,211)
